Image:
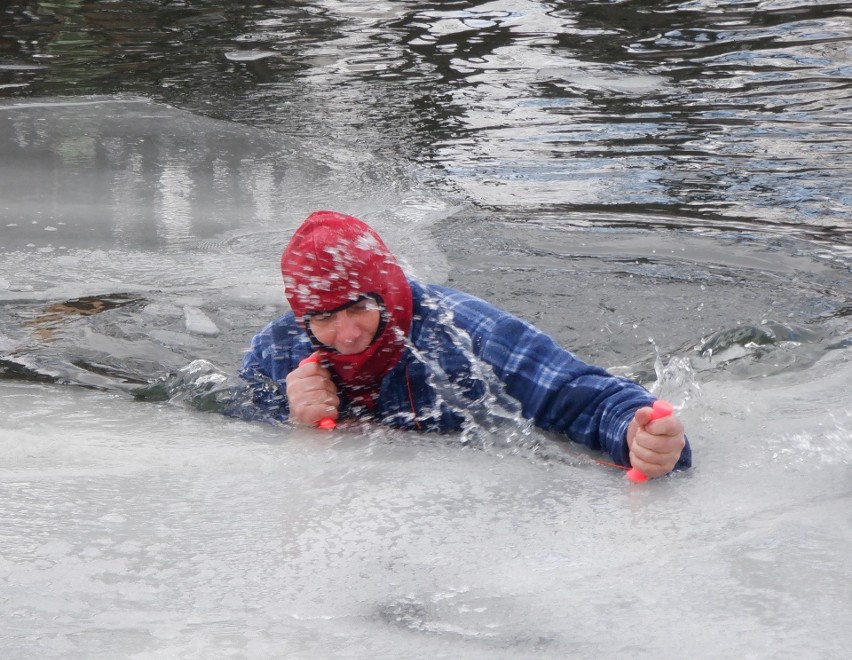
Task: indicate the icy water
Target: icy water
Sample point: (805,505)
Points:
(663,186)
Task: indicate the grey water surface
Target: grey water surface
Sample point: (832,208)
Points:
(663,186)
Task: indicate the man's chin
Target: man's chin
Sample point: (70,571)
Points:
(351,351)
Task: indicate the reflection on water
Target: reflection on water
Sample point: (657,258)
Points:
(715,111)
(118,176)
(663,186)
(695,120)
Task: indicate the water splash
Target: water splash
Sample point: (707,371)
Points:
(493,419)
(200,385)
(676,381)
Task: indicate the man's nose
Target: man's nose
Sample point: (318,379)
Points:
(347,329)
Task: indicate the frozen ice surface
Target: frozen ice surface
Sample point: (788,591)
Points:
(142,530)
(198,322)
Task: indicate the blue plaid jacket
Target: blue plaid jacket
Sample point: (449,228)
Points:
(466,362)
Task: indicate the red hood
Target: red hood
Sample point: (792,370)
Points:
(333,259)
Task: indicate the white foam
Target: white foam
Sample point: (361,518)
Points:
(249,55)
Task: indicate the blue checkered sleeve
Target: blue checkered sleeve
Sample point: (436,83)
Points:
(274,352)
(557,390)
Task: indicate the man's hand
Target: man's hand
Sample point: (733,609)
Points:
(655,446)
(311,393)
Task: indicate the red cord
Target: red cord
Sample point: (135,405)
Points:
(411,399)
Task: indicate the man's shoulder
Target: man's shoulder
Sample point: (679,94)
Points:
(439,295)
(439,305)
(276,347)
(282,329)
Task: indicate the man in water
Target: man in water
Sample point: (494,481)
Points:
(415,356)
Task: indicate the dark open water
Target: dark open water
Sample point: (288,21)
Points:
(646,180)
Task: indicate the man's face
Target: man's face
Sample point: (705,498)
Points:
(349,330)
